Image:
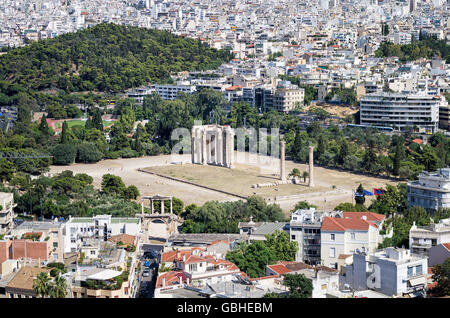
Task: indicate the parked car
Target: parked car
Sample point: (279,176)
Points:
(146,273)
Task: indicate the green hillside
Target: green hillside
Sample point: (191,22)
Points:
(106,58)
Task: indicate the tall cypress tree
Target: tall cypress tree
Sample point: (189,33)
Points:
(297,147)
(97,120)
(43,126)
(360,199)
(397,158)
(137,142)
(64,136)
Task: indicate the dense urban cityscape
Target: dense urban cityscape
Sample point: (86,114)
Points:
(224,149)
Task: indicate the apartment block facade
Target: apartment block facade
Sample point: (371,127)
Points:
(343,236)
(431,191)
(423,238)
(401,110)
(6,212)
(392,271)
(100,227)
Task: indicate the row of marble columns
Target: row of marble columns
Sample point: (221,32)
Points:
(152,206)
(212,146)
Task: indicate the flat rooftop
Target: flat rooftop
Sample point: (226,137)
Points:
(182,293)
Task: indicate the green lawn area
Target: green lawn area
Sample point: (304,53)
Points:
(77,122)
(71,123)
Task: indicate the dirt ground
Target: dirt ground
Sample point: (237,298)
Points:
(331,187)
(334,110)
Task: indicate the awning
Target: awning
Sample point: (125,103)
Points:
(105,275)
(418,281)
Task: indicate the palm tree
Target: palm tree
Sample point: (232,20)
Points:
(295,173)
(305,175)
(41,284)
(59,288)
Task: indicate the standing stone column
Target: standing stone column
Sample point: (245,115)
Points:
(152,210)
(219,157)
(282,161)
(198,145)
(204,148)
(171,205)
(142,206)
(162,206)
(208,148)
(193,146)
(230,147)
(311,167)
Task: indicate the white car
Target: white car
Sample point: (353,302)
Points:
(146,273)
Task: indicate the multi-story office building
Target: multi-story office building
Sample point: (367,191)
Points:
(431,191)
(392,271)
(100,227)
(401,110)
(6,212)
(422,238)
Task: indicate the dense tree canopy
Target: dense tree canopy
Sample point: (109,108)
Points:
(253,258)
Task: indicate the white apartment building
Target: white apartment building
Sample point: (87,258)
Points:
(392,271)
(287,96)
(341,237)
(138,94)
(431,191)
(401,110)
(305,230)
(6,212)
(100,226)
(170,92)
(422,238)
(402,38)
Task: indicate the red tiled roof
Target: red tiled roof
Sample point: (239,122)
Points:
(264,277)
(194,259)
(279,269)
(343,224)
(172,256)
(172,276)
(446,245)
(417,141)
(370,216)
(219,241)
(232,88)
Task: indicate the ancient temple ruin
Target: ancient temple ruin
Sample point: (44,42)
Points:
(212,145)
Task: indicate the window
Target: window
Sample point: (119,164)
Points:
(292,237)
(352,236)
(419,270)
(55,244)
(332,252)
(410,271)
(92,252)
(324,286)
(333,237)
(72,241)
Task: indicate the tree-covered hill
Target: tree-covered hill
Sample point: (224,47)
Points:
(426,47)
(106,57)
